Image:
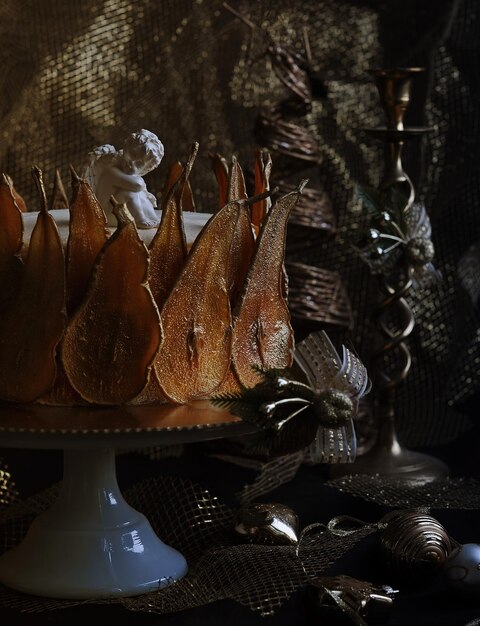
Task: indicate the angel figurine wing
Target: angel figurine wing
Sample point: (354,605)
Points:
(91,170)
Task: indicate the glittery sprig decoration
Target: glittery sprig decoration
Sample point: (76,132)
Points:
(290,406)
(397,231)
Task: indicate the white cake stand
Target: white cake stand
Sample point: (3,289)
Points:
(91,543)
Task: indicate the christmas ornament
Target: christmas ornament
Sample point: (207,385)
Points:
(289,412)
(397,231)
(360,600)
(275,524)
(462,570)
(414,546)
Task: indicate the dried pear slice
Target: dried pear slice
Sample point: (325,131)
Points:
(220,169)
(243,242)
(195,355)
(262,335)
(59,199)
(19,201)
(112,339)
(188,201)
(168,248)
(241,253)
(11,233)
(230,383)
(11,241)
(243,246)
(87,236)
(236,182)
(62,393)
(32,326)
(263,168)
(152,394)
(174,173)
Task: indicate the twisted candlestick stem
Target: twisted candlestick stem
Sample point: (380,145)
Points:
(394,345)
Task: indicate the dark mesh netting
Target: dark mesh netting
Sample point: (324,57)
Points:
(78,75)
(8,490)
(459,493)
(261,577)
(221,566)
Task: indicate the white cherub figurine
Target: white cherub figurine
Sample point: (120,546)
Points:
(119,174)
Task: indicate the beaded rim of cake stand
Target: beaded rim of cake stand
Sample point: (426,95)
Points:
(35,424)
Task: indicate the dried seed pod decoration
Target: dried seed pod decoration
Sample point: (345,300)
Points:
(291,413)
(28,340)
(333,407)
(397,230)
(113,337)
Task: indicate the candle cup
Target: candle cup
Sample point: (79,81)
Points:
(394,86)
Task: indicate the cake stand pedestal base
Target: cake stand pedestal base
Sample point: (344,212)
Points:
(90,543)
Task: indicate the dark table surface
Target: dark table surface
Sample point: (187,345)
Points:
(313,501)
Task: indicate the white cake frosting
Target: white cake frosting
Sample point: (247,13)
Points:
(193,224)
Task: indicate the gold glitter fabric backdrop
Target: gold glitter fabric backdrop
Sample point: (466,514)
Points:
(76,75)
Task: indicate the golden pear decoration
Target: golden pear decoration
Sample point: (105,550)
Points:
(87,236)
(195,356)
(33,323)
(168,248)
(262,335)
(112,339)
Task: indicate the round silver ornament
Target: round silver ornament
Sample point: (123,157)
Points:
(462,570)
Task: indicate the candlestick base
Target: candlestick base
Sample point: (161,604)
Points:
(395,461)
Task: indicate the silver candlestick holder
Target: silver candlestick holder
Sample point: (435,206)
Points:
(393,318)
